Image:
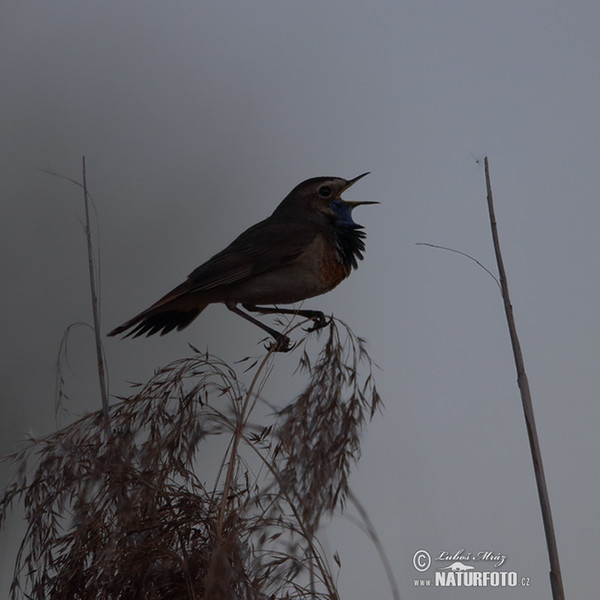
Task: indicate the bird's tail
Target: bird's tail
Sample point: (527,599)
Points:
(158,320)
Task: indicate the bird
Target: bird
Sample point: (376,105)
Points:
(305,248)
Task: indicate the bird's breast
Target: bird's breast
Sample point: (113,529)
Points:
(332,269)
(315,271)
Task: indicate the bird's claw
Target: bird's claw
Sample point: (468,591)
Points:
(319,321)
(281,344)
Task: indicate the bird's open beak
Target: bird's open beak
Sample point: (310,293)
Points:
(353,181)
(354,203)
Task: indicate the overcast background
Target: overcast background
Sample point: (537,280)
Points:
(197,118)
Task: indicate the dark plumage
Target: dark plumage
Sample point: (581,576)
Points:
(305,248)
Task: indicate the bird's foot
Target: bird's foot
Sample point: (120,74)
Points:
(319,321)
(281,344)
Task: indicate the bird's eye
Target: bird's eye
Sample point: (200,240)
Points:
(324,191)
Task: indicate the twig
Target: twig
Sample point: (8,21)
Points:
(237,437)
(312,541)
(241,421)
(102,376)
(63,355)
(372,533)
(462,254)
(555,573)
(95,309)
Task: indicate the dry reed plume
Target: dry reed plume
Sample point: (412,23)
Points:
(131,515)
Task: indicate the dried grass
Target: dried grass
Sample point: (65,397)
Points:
(130,515)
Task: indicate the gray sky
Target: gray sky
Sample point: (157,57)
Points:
(198,118)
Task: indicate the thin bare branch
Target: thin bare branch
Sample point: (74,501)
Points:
(94,287)
(62,360)
(462,254)
(95,307)
(523,383)
(237,437)
(372,533)
(60,176)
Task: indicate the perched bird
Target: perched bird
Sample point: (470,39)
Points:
(305,248)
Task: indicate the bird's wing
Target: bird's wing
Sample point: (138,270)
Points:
(263,247)
(266,246)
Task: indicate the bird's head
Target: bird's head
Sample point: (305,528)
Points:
(321,197)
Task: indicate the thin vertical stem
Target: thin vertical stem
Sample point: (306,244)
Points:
(523,383)
(95,309)
(371,531)
(238,435)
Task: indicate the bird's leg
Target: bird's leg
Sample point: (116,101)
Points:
(281,343)
(318,318)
